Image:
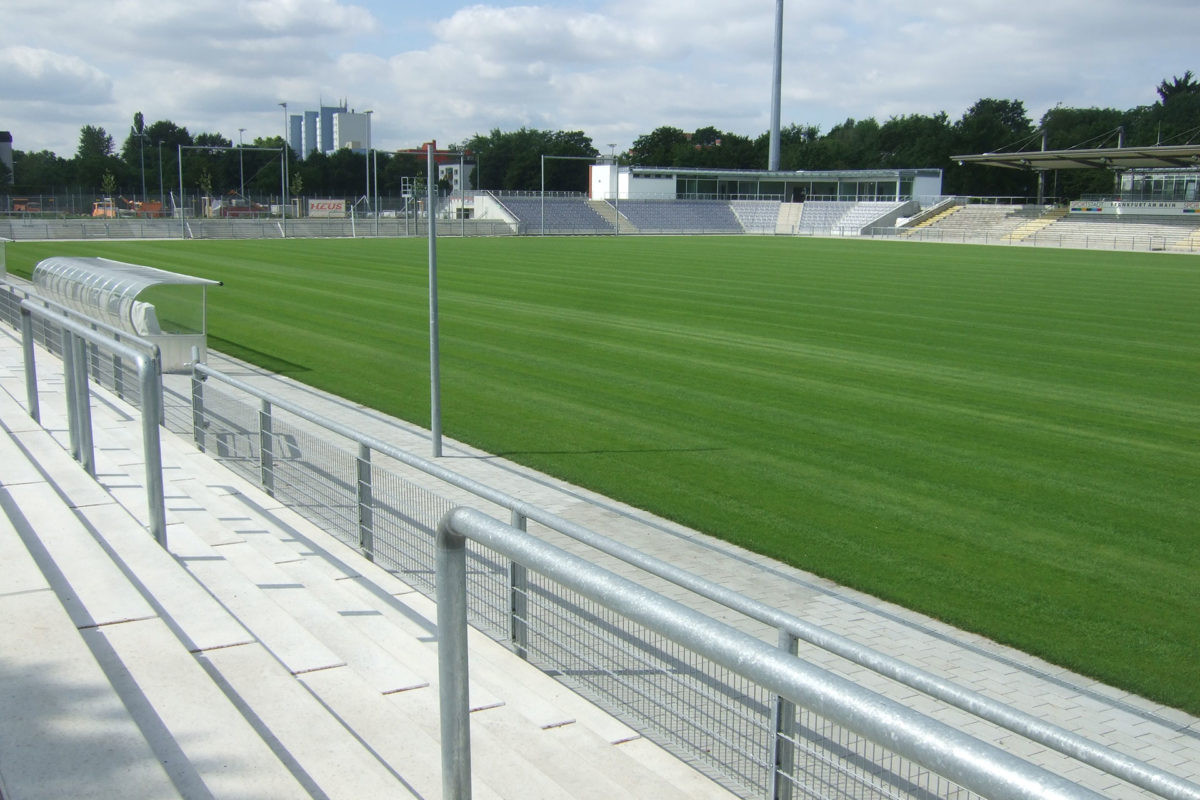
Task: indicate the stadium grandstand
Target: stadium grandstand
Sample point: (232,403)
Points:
(1154,205)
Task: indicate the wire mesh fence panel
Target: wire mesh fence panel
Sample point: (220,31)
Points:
(835,764)
(700,711)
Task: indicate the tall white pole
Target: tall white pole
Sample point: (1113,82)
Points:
(283,177)
(241,165)
(776,89)
(367,159)
(435,389)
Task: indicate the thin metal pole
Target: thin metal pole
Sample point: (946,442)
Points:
(266,454)
(366,517)
(152,407)
(543,194)
(776,89)
(182,213)
(435,389)
(783,748)
(83,406)
(518,598)
(69,377)
(462,193)
(453,665)
(31,390)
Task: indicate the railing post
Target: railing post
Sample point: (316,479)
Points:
(783,746)
(83,406)
(453,700)
(366,517)
(150,380)
(518,598)
(266,455)
(31,389)
(69,374)
(118,377)
(197,408)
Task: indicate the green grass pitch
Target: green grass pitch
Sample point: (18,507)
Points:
(1005,438)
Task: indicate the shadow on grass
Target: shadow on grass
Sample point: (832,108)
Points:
(257,357)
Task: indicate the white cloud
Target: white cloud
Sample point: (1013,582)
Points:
(613,68)
(44,76)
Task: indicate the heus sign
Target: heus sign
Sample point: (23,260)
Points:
(327,208)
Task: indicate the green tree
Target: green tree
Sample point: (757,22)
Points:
(35,173)
(94,158)
(916,141)
(657,148)
(1167,90)
(1067,128)
(513,159)
(94,142)
(991,126)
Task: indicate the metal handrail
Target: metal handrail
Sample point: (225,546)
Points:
(78,399)
(1053,736)
(974,765)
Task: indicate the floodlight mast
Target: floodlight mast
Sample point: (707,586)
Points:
(435,381)
(776,90)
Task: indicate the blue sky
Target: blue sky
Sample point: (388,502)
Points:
(612,68)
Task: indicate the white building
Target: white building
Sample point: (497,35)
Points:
(609,181)
(352,130)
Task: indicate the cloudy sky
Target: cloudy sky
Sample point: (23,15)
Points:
(613,68)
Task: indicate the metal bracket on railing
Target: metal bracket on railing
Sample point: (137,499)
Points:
(518,598)
(366,515)
(266,453)
(783,747)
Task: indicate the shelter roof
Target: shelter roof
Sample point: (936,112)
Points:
(1117,158)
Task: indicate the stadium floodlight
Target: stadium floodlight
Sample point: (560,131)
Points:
(776,89)
(435,381)
(283,175)
(241,166)
(367,158)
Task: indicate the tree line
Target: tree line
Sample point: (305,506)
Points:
(513,160)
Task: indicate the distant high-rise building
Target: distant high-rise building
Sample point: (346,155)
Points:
(310,133)
(296,134)
(350,130)
(326,142)
(6,153)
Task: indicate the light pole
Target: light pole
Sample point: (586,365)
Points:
(241,165)
(162,199)
(615,179)
(141,156)
(776,90)
(283,177)
(367,159)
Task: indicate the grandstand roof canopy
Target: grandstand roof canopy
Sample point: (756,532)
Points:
(1116,158)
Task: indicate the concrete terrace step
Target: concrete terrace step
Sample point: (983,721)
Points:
(258,657)
(66,731)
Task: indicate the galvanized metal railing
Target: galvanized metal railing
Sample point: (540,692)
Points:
(260,444)
(78,395)
(972,764)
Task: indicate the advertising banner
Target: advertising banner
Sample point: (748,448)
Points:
(1136,208)
(327,208)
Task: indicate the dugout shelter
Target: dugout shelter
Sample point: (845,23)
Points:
(110,291)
